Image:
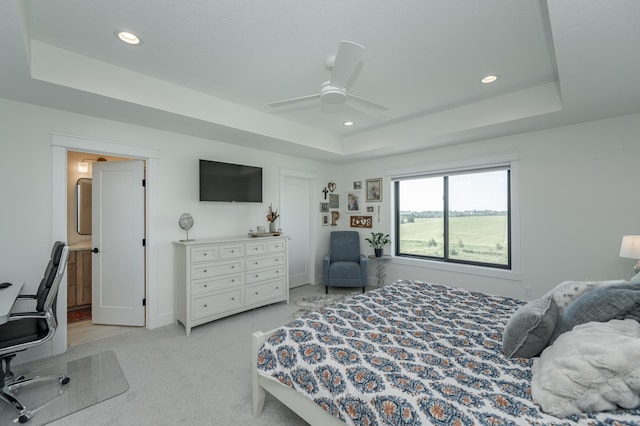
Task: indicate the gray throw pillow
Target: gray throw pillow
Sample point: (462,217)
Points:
(529,329)
(601,305)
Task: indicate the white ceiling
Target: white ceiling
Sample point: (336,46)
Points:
(210,68)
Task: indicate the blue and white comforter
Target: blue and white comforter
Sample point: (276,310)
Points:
(413,353)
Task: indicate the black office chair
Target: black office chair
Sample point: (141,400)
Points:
(25,330)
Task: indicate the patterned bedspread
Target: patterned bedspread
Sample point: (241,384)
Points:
(413,353)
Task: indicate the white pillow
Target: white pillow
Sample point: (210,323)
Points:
(568,291)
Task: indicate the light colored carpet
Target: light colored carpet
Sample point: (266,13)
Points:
(174,379)
(94,379)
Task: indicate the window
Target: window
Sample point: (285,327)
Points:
(458,217)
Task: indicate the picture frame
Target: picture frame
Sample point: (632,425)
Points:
(352,201)
(374,189)
(334,201)
(357,185)
(361,222)
(370,209)
(325,219)
(324,207)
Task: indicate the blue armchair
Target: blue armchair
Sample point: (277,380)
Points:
(344,266)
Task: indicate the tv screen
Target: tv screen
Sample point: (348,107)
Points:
(230,182)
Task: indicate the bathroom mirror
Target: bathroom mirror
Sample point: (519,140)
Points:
(83,191)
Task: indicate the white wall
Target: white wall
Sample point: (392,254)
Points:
(26,188)
(578,191)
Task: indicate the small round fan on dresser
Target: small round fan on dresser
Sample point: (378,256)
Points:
(186,222)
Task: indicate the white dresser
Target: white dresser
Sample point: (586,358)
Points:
(220,277)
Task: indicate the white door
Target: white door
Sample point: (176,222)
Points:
(118,260)
(296,210)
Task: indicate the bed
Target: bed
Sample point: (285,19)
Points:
(410,353)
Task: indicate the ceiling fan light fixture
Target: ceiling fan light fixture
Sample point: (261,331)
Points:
(488,79)
(129,38)
(349,123)
(332,95)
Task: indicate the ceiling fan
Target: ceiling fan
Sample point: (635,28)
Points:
(345,67)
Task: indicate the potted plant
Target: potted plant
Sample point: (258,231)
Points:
(378,240)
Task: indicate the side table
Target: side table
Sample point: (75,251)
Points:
(380,267)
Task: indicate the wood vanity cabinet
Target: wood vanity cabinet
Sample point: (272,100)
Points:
(79,278)
(218,278)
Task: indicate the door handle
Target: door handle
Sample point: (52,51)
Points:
(95,250)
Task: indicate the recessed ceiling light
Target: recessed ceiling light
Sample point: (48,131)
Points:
(129,38)
(489,79)
(349,123)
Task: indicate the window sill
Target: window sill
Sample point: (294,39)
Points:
(504,274)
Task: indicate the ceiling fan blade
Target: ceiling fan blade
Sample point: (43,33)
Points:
(368,104)
(292,101)
(347,64)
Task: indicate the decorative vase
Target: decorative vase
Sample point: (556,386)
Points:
(272,227)
(378,252)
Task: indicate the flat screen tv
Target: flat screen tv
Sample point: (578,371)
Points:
(230,182)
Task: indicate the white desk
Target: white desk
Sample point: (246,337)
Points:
(7,299)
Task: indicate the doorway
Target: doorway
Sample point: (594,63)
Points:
(61,144)
(86,296)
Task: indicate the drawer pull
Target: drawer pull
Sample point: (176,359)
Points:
(205,271)
(256,263)
(233,298)
(257,275)
(205,254)
(277,288)
(205,306)
(233,281)
(233,266)
(257,293)
(205,286)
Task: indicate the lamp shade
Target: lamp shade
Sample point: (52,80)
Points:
(630,247)
(83,167)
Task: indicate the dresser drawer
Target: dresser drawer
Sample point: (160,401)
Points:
(256,248)
(264,291)
(204,306)
(264,262)
(275,246)
(231,251)
(208,270)
(203,254)
(205,286)
(265,274)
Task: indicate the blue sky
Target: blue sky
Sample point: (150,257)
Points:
(478,191)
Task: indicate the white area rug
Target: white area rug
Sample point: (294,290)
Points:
(315,303)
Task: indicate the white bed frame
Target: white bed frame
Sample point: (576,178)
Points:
(297,402)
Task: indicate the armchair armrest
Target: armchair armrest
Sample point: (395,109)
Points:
(326,261)
(364,263)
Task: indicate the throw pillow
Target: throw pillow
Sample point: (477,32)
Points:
(529,329)
(568,291)
(601,305)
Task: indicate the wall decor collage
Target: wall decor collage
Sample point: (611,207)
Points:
(361,214)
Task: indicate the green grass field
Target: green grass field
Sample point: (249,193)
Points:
(473,238)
